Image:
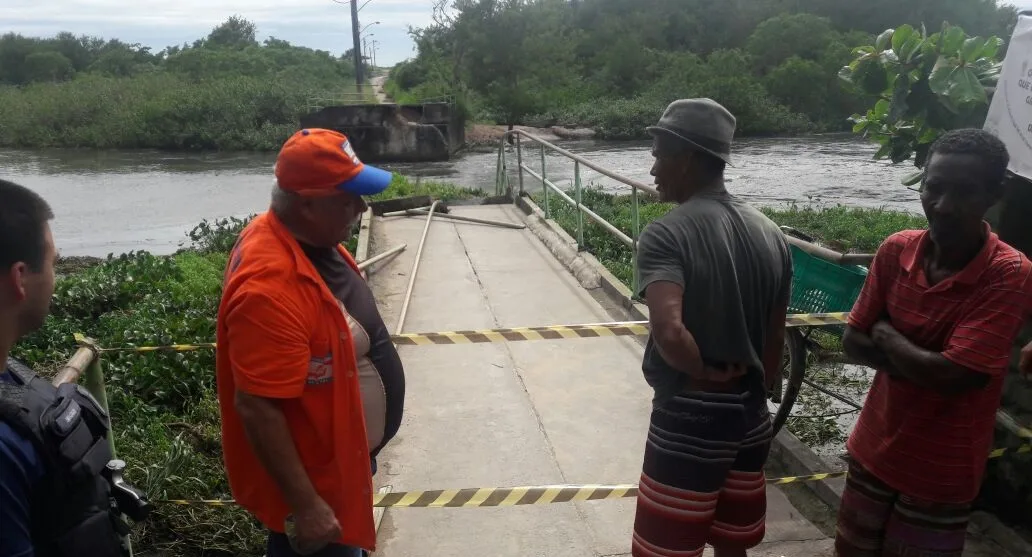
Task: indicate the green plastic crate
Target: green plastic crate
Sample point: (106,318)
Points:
(819,286)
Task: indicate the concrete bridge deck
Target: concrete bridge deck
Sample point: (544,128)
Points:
(511,414)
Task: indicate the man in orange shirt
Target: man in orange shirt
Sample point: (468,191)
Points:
(290,355)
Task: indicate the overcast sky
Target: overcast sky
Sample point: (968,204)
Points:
(321,24)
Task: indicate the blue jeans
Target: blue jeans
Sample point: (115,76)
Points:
(279,546)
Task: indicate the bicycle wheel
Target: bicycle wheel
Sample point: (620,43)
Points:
(794,363)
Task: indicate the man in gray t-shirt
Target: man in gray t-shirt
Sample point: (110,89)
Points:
(716,274)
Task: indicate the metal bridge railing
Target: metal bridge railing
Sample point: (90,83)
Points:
(445,99)
(550,190)
(315,103)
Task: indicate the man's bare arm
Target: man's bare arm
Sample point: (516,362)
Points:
(859,346)
(266,428)
(675,343)
(924,367)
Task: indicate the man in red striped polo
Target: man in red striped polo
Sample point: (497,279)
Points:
(937,318)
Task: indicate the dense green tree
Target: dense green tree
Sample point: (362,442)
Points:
(13,50)
(235,32)
(793,84)
(48,65)
(780,38)
(559,61)
(230,49)
(225,91)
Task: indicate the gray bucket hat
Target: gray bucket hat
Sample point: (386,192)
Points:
(702,123)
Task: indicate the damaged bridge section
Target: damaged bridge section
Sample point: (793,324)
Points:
(393,132)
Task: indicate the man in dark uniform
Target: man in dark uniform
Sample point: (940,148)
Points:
(54,499)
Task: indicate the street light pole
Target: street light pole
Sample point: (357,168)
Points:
(369,47)
(357,48)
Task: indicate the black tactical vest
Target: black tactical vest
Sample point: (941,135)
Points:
(71,506)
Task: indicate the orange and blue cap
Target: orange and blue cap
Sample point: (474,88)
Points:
(316,161)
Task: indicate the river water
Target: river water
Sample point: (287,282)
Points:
(117,201)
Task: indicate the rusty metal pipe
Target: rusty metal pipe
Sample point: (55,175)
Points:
(380,257)
(404,212)
(423,212)
(415,269)
(830,255)
(1008,422)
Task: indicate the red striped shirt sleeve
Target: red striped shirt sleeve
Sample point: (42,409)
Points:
(983,339)
(870,306)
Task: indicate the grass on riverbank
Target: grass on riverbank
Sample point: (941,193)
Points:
(848,229)
(164,406)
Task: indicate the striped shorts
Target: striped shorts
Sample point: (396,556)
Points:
(877,521)
(702,480)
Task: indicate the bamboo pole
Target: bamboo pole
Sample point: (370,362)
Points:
(405,212)
(415,269)
(379,257)
(830,255)
(423,212)
(76,366)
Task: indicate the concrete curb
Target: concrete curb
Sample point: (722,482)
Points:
(365,235)
(610,285)
(561,245)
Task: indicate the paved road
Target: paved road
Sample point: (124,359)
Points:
(543,412)
(381,95)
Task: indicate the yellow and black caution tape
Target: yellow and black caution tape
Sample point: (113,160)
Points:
(810,478)
(555,332)
(534,495)
(552,332)
(478,496)
(816,319)
(206,502)
(509,496)
(997,453)
(504,496)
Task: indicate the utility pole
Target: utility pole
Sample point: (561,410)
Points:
(357,49)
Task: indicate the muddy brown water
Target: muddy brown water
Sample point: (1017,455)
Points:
(117,201)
